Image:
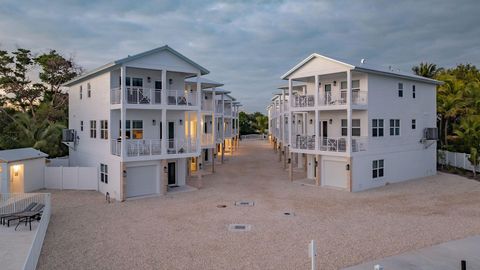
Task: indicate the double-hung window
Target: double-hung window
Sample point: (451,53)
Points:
(93,129)
(400,89)
(104,129)
(81,92)
(394,127)
(414,124)
(413,91)
(89,90)
(81,125)
(133,130)
(355,127)
(377,127)
(377,168)
(104,173)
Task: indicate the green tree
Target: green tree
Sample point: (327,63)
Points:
(428,70)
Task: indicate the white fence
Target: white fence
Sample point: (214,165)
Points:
(254,137)
(79,178)
(459,160)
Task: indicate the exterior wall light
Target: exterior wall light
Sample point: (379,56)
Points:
(289,160)
(170,81)
(330,121)
(311,121)
(165,169)
(334,83)
(181,122)
(149,79)
(154,122)
(347,167)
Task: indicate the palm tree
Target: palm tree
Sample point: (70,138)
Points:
(428,70)
(261,123)
(450,103)
(469,131)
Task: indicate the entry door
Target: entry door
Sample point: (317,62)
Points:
(16,179)
(172,179)
(206,154)
(171,135)
(324,132)
(328,93)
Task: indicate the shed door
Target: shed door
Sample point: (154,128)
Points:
(141,181)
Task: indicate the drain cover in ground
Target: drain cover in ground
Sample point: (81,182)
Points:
(289,214)
(244,203)
(239,227)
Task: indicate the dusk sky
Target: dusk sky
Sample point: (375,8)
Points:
(248,45)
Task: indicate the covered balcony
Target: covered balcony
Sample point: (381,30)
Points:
(153,147)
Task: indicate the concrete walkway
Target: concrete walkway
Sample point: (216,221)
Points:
(444,256)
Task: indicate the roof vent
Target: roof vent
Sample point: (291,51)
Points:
(362,61)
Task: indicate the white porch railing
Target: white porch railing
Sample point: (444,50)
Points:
(359,144)
(218,109)
(143,147)
(115,147)
(306,142)
(340,98)
(181,146)
(207,105)
(137,95)
(181,97)
(304,101)
(333,144)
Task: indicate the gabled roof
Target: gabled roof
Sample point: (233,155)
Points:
(206,83)
(117,63)
(364,67)
(18,154)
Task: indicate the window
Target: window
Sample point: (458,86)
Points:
(134,129)
(137,82)
(104,129)
(81,92)
(394,127)
(81,125)
(414,124)
(93,129)
(89,90)
(355,127)
(104,173)
(400,89)
(205,127)
(343,85)
(377,127)
(355,85)
(413,91)
(377,168)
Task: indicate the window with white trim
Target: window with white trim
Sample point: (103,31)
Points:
(104,129)
(104,173)
(355,85)
(377,127)
(93,129)
(377,168)
(81,125)
(400,89)
(89,90)
(134,129)
(81,92)
(413,91)
(394,127)
(414,124)
(355,127)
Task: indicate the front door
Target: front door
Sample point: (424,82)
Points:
(324,132)
(16,178)
(328,93)
(172,179)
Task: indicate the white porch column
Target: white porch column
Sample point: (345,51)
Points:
(199,114)
(290,114)
(316,126)
(316,90)
(163,143)
(349,112)
(4,178)
(123,111)
(213,119)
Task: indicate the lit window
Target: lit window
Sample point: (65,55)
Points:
(377,127)
(394,127)
(377,168)
(134,129)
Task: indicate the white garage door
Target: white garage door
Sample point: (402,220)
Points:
(141,181)
(335,174)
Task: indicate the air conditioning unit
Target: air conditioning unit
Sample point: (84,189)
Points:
(68,135)
(430,134)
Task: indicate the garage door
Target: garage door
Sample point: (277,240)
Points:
(335,174)
(141,181)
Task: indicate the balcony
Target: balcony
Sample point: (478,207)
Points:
(207,139)
(333,144)
(207,106)
(140,95)
(305,142)
(301,101)
(340,98)
(152,147)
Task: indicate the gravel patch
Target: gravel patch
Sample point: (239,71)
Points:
(188,230)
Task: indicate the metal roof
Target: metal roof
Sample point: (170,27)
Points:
(127,59)
(364,67)
(206,83)
(12,155)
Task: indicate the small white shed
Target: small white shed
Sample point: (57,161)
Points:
(22,170)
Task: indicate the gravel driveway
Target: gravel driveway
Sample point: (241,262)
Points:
(188,230)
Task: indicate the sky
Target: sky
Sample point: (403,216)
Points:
(248,45)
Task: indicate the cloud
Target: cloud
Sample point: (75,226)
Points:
(248,44)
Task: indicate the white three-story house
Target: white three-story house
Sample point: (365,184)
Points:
(355,127)
(139,120)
